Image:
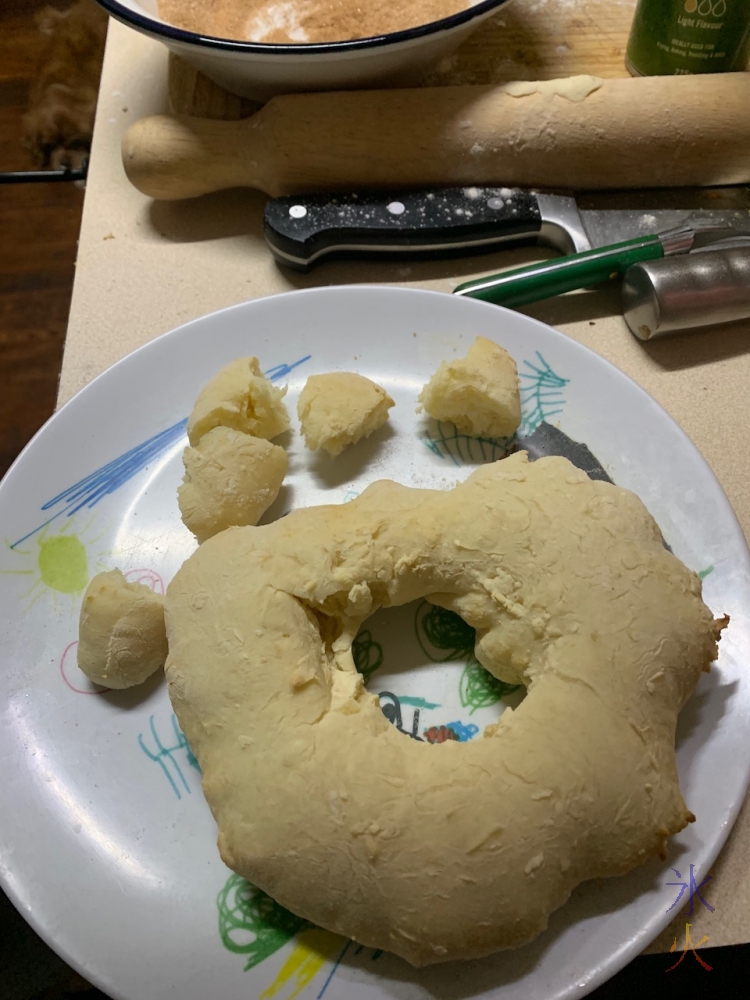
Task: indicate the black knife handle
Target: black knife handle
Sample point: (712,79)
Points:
(304,230)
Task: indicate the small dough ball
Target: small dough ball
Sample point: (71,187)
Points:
(239,396)
(230,479)
(340,408)
(478,393)
(122,637)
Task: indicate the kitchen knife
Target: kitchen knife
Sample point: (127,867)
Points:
(303,231)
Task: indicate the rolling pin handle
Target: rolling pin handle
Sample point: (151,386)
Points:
(182,157)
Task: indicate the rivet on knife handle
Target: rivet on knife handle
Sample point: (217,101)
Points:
(565,274)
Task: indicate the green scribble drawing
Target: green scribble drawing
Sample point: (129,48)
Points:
(706,572)
(367,654)
(542,395)
(443,635)
(446,441)
(479,689)
(251,923)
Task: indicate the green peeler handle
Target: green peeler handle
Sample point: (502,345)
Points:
(563,274)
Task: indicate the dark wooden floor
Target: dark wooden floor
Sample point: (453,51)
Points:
(39,226)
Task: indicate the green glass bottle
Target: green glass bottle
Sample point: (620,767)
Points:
(689,36)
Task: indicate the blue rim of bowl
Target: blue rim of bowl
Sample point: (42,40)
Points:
(170,33)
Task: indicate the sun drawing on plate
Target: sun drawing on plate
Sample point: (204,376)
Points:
(59,563)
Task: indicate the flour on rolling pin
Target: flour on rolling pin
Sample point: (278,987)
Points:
(581,133)
(572,88)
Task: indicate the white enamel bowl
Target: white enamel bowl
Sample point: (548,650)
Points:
(259,71)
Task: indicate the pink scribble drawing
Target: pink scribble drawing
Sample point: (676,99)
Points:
(149,577)
(94,689)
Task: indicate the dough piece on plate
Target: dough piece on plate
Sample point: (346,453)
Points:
(323,804)
(478,393)
(241,397)
(339,409)
(122,638)
(231,479)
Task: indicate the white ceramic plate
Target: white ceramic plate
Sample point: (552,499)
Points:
(107,845)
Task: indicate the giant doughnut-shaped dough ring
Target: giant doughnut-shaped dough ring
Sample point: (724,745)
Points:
(457,850)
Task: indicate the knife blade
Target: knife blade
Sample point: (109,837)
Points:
(303,231)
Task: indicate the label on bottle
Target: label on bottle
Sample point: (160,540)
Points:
(669,37)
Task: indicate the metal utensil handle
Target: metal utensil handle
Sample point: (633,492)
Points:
(685,292)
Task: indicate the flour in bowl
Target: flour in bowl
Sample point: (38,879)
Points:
(299,21)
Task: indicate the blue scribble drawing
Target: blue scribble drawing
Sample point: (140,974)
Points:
(281,371)
(464,730)
(334,969)
(407,699)
(88,491)
(542,395)
(446,441)
(165,756)
(376,953)
(110,477)
(350,495)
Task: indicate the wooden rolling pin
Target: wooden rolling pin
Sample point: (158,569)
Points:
(579,133)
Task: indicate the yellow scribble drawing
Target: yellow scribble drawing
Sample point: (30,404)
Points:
(58,564)
(313,949)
